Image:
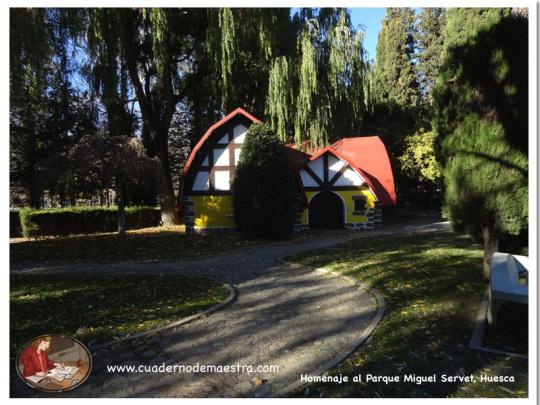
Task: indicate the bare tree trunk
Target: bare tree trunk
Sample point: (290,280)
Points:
(121,214)
(491,245)
(157,114)
(169,215)
(35,196)
(167,198)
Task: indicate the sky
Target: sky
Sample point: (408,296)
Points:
(369,20)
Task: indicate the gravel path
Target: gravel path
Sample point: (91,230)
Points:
(296,320)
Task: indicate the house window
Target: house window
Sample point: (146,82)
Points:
(360,205)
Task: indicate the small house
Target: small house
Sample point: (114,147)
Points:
(344,185)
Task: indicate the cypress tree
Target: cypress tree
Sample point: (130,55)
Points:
(429,41)
(395,78)
(395,91)
(481,117)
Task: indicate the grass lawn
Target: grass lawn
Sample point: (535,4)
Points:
(100,307)
(433,287)
(160,243)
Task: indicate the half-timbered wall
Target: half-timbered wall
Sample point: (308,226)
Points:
(218,161)
(208,185)
(330,173)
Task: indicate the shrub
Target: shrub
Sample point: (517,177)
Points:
(263,190)
(481,126)
(83,220)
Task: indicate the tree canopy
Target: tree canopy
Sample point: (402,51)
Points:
(317,93)
(395,79)
(101,161)
(430,26)
(481,124)
(47,114)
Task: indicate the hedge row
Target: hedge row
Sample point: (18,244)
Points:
(83,220)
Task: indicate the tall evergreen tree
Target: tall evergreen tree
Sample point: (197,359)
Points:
(30,63)
(395,76)
(395,91)
(264,192)
(429,42)
(481,124)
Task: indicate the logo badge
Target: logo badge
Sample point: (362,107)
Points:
(54,363)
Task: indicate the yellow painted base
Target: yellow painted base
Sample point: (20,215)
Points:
(212,211)
(347,198)
(217,211)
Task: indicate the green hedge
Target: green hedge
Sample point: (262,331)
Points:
(83,220)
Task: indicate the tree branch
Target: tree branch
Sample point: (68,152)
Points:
(131,64)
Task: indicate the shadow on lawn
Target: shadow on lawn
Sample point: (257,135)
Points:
(432,285)
(100,307)
(512,329)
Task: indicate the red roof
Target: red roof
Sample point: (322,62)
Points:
(209,132)
(366,154)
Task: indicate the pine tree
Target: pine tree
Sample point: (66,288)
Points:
(481,118)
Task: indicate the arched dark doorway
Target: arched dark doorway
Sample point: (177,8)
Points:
(326,211)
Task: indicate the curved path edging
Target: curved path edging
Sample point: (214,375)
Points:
(230,298)
(366,332)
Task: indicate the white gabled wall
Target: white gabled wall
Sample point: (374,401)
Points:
(334,165)
(317,167)
(350,177)
(239,133)
(307,180)
(222,178)
(201,182)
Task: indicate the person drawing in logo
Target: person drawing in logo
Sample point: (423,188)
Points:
(35,360)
